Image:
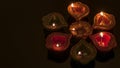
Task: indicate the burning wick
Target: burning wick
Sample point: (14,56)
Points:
(53,24)
(73,28)
(101,13)
(72,5)
(101,34)
(101,43)
(57,45)
(79,53)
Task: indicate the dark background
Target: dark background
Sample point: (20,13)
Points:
(23,38)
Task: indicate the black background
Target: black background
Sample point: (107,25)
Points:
(23,37)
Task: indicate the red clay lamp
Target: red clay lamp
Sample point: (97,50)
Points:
(104,41)
(58,41)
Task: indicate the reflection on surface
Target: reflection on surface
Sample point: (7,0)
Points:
(58,57)
(75,64)
(104,57)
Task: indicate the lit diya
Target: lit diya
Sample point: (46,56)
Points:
(81,29)
(104,41)
(104,21)
(54,21)
(78,10)
(83,52)
(58,41)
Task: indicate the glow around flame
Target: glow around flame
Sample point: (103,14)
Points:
(73,28)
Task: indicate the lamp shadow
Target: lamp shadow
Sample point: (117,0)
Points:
(58,57)
(105,56)
(75,64)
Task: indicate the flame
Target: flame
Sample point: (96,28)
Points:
(53,24)
(57,45)
(73,28)
(72,5)
(102,13)
(101,34)
(79,53)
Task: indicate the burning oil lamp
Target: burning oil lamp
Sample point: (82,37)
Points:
(58,41)
(104,41)
(104,21)
(83,52)
(54,21)
(78,10)
(81,29)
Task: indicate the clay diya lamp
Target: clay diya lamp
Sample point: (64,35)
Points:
(104,21)
(54,21)
(81,29)
(83,52)
(58,41)
(78,10)
(104,41)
